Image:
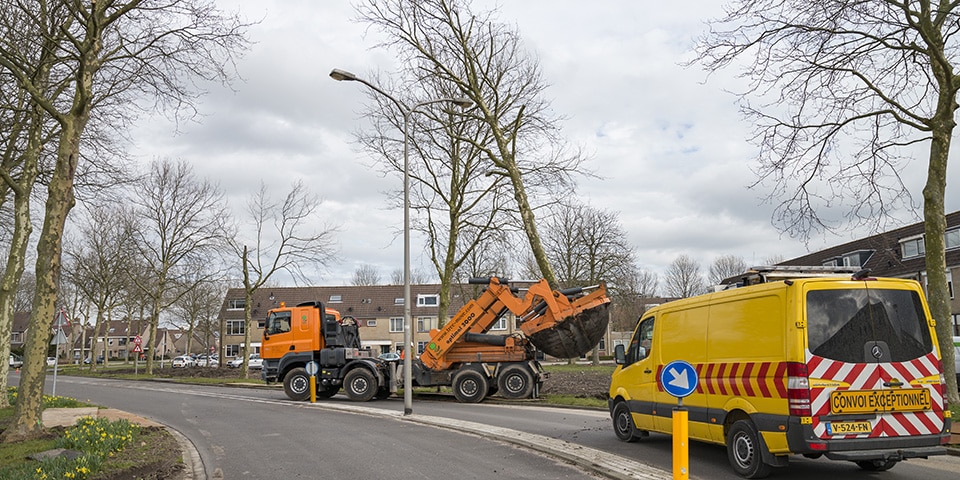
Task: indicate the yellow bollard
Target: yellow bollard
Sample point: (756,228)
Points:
(313,389)
(681,453)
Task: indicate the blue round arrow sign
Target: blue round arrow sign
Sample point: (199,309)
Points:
(679,378)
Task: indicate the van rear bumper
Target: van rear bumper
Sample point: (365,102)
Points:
(890,454)
(801,439)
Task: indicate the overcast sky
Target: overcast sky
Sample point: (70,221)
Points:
(667,141)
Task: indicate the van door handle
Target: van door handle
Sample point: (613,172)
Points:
(648,371)
(291,347)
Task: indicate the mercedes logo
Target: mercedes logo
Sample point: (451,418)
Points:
(877,352)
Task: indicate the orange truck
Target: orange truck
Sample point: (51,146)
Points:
(463,354)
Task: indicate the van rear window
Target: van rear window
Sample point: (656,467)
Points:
(867,325)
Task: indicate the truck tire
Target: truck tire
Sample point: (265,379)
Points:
(744,450)
(623,424)
(360,384)
(470,386)
(327,392)
(296,384)
(515,381)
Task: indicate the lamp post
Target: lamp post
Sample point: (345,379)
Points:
(340,75)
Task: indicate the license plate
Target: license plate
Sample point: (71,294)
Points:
(869,401)
(844,428)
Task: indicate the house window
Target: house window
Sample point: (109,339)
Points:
(236,327)
(420,347)
(500,325)
(336,298)
(236,304)
(428,300)
(912,247)
(951,239)
(424,324)
(398,301)
(830,263)
(15,337)
(371,323)
(950,282)
(233,350)
(396,324)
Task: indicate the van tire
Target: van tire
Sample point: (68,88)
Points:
(296,384)
(744,450)
(876,465)
(623,424)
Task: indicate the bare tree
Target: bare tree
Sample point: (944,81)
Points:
(101,54)
(683,278)
(365,275)
(197,310)
(479,58)
(459,207)
(100,261)
(627,298)
(726,266)
(843,94)
(282,241)
(181,229)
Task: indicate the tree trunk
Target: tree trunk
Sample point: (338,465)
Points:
(247,317)
(934,220)
(60,200)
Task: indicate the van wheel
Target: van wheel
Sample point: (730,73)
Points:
(296,384)
(623,424)
(743,450)
(470,386)
(360,385)
(876,465)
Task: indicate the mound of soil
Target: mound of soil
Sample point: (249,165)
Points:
(587,383)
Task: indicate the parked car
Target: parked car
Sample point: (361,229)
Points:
(15,361)
(51,361)
(183,361)
(255,362)
(205,360)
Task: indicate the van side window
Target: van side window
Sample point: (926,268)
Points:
(641,342)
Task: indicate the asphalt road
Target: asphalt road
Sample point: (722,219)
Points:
(257,433)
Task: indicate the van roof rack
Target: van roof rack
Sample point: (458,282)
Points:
(773,273)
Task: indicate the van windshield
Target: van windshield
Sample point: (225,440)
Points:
(867,325)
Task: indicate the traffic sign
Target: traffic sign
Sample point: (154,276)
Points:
(679,378)
(137,348)
(312,368)
(137,340)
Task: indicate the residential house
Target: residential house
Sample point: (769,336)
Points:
(896,253)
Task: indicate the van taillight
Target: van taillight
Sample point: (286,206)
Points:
(798,389)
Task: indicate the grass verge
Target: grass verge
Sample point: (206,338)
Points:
(102,446)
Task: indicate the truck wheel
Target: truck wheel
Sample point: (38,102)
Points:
(383,393)
(296,384)
(360,385)
(515,382)
(623,424)
(876,465)
(470,386)
(743,450)
(327,392)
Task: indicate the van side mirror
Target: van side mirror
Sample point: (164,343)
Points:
(619,354)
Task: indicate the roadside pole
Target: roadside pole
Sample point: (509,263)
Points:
(679,379)
(312,369)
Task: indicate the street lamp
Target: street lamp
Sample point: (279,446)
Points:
(341,75)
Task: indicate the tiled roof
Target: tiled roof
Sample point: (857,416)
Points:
(887,259)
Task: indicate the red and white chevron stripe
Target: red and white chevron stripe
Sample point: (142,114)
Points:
(871,376)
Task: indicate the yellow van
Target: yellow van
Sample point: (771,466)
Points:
(793,360)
